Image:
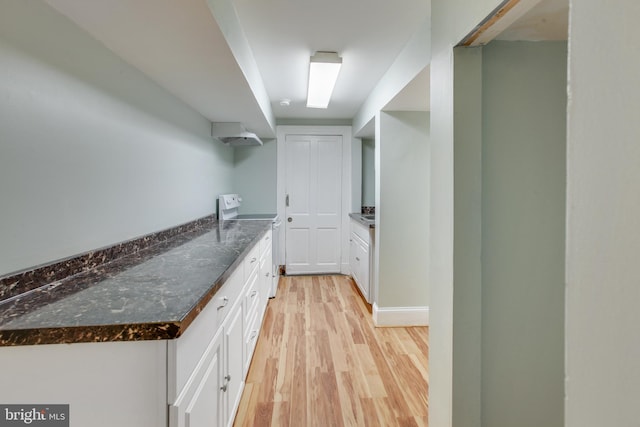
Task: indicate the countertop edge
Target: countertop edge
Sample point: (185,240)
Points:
(360,219)
(87,334)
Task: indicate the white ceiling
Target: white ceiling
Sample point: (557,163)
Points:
(179,46)
(185,48)
(367,34)
(242,74)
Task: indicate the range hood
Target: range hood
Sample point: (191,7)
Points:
(234,134)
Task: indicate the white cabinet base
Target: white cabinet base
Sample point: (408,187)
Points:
(106,384)
(361,258)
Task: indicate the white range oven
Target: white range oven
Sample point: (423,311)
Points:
(228,207)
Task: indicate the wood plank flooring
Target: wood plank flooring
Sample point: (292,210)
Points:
(319,361)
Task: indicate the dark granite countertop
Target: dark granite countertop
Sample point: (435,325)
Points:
(366,220)
(154,293)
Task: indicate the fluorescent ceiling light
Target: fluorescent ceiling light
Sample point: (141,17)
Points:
(323,73)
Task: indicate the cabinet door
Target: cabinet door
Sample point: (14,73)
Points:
(353,254)
(204,408)
(200,404)
(185,353)
(234,355)
(359,261)
(363,272)
(266,278)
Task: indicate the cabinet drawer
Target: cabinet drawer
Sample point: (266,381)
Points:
(361,231)
(359,240)
(266,277)
(265,242)
(251,339)
(252,261)
(251,298)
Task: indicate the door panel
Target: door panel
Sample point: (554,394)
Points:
(299,166)
(298,252)
(205,407)
(298,212)
(329,189)
(313,216)
(328,248)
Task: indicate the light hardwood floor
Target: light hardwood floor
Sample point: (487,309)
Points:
(320,361)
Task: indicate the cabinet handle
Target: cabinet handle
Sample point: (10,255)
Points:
(224,387)
(253,334)
(228,377)
(253,260)
(253,294)
(357,259)
(225,301)
(266,274)
(266,238)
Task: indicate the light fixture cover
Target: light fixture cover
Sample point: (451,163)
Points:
(323,73)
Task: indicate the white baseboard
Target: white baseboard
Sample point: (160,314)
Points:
(400,316)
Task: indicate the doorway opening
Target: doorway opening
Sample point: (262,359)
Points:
(510,79)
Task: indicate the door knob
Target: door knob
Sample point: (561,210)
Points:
(289,219)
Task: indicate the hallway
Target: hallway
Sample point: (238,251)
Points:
(320,361)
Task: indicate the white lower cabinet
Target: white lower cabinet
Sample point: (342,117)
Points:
(361,257)
(211,394)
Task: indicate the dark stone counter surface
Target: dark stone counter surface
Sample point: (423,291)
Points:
(153,291)
(367,221)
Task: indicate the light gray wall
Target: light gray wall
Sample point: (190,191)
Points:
(368,172)
(509,175)
(603,216)
(402,204)
(523,230)
(91,151)
(467,243)
(411,60)
(254,177)
(451,20)
(356,175)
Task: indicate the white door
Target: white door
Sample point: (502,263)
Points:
(313,187)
